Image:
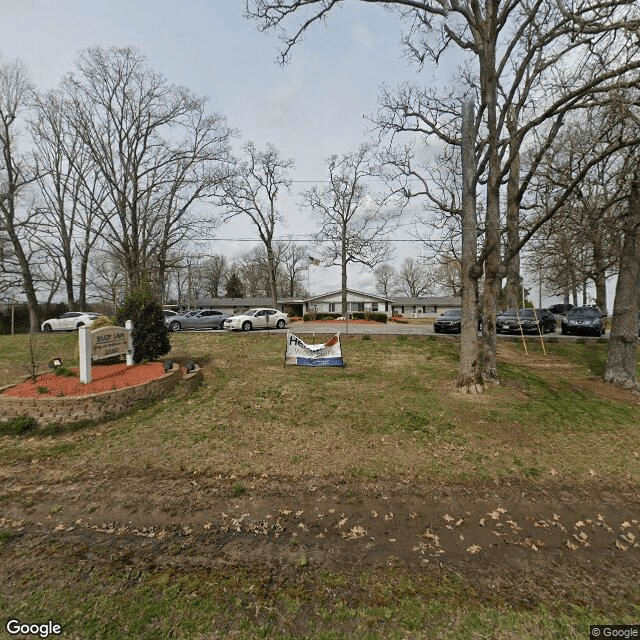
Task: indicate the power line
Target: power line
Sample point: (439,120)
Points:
(306,239)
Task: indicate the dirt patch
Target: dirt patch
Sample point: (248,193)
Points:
(104,378)
(520,541)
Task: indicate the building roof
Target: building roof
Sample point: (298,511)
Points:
(452,301)
(326,294)
(431,301)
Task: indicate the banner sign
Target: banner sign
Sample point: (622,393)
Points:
(328,354)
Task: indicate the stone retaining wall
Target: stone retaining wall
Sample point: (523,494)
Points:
(96,406)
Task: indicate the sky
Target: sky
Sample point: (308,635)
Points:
(310,109)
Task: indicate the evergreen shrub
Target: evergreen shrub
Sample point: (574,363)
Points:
(150,334)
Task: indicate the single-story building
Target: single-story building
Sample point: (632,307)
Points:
(331,302)
(427,306)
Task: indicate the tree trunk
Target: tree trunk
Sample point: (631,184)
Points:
(600,273)
(492,231)
(343,263)
(271,265)
(513,218)
(469,375)
(23,262)
(623,342)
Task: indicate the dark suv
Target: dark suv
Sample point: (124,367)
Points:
(560,309)
(585,321)
(451,322)
(526,320)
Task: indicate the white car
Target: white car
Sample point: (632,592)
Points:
(257,319)
(69,321)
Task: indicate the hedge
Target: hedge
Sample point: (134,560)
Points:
(357,315)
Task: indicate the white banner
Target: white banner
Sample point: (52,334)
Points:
(328,354)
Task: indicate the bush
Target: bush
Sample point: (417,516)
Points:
(320,316)
(370,315)
(150,335)
(103,321)
(18,426)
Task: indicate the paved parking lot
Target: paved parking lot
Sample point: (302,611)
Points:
(394,328)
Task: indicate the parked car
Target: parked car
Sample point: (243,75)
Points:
(526,320)
(560,309)
(585,320)
(69,321)
(168,313)
(451,322)
(257,319)
(205,319)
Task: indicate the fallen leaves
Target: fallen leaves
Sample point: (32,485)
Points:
(354,533)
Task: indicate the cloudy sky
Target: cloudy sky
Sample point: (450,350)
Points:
(309,109)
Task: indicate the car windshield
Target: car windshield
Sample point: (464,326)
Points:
(452,313)
(583,313)
(251,312)
(521,313)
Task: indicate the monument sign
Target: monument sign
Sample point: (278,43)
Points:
(105,342)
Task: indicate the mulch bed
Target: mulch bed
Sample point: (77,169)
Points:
(104,378)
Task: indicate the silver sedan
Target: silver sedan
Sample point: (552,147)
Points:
(205,319)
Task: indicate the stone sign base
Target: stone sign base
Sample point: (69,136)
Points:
(97,406)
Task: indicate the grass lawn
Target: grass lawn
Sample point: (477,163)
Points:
(134,528)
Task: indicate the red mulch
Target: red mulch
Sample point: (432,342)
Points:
(103,378)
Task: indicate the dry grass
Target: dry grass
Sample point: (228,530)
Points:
(392,411)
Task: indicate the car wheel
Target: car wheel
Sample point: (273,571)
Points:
(175,326)
(280,324)
(80,324)
(47,328)
(246,326)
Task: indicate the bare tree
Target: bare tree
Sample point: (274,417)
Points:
(16,174)
(154,148)
(68,227)
(253,270)
(108,282)
(414,278)
(294,261)
(354,222)
(581,242)
(213,273)
(385,279)
(532,60)
(447,275)
(253,191)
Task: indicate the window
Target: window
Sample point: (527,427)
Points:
(332,307)
(374,306)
